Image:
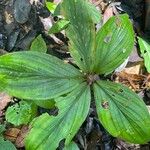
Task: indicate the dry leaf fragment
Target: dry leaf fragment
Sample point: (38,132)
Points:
(11,134)
(20,139)
(4,100)
(134,81)
(134,68)
(107,14)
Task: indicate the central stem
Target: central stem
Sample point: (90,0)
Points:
(91,78)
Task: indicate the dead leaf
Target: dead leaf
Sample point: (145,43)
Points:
(47,23)
(134,68)
(133,81)
(57,1)
(4,100)
(20,139)
(107,14)
(122,145)
(11,134)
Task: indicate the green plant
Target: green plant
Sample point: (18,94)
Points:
(21,113)
(5,144)
(37,76)
(145,51)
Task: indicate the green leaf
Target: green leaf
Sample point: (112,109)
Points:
(58,26)
(37,76)
(57,11)
(51,6)
(145,50)
(73,110)
(80,31)
(6,145)
(39,45)
(45,103)
(95,14)
(72,146)
(114,43)
(21,113)
(2,129)
(122,112)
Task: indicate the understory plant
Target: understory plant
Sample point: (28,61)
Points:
(40,77)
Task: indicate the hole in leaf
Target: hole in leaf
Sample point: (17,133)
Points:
(81,59)
(107,39)
(105,104)
(118,21)
(113,95)
(56,18)
(124,50)
(145,51)
(120,90)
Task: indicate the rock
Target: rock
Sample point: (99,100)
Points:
(2,41)
(21,10)
(12,40)
(25,41)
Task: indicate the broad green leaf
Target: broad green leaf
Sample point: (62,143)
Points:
(6,145)
(145,50)
(80,31)
(45,103)
(38,45)
(73,110)
(57,11)
(122,112)
(95,14)
(114,43)
(2,129)
(21,113)
(37,76)
(72,146)
(51,6)
(58,26)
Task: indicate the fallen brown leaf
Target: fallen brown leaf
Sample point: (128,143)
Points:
(107,14)
(20,139)
(134,68)
(11,134)
(4,100)
(133,81)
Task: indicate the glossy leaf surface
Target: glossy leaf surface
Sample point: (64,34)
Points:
(114,43)
(122,112)
(51,6)
(81,31)
(48,131)
(145,50)
(38,76)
